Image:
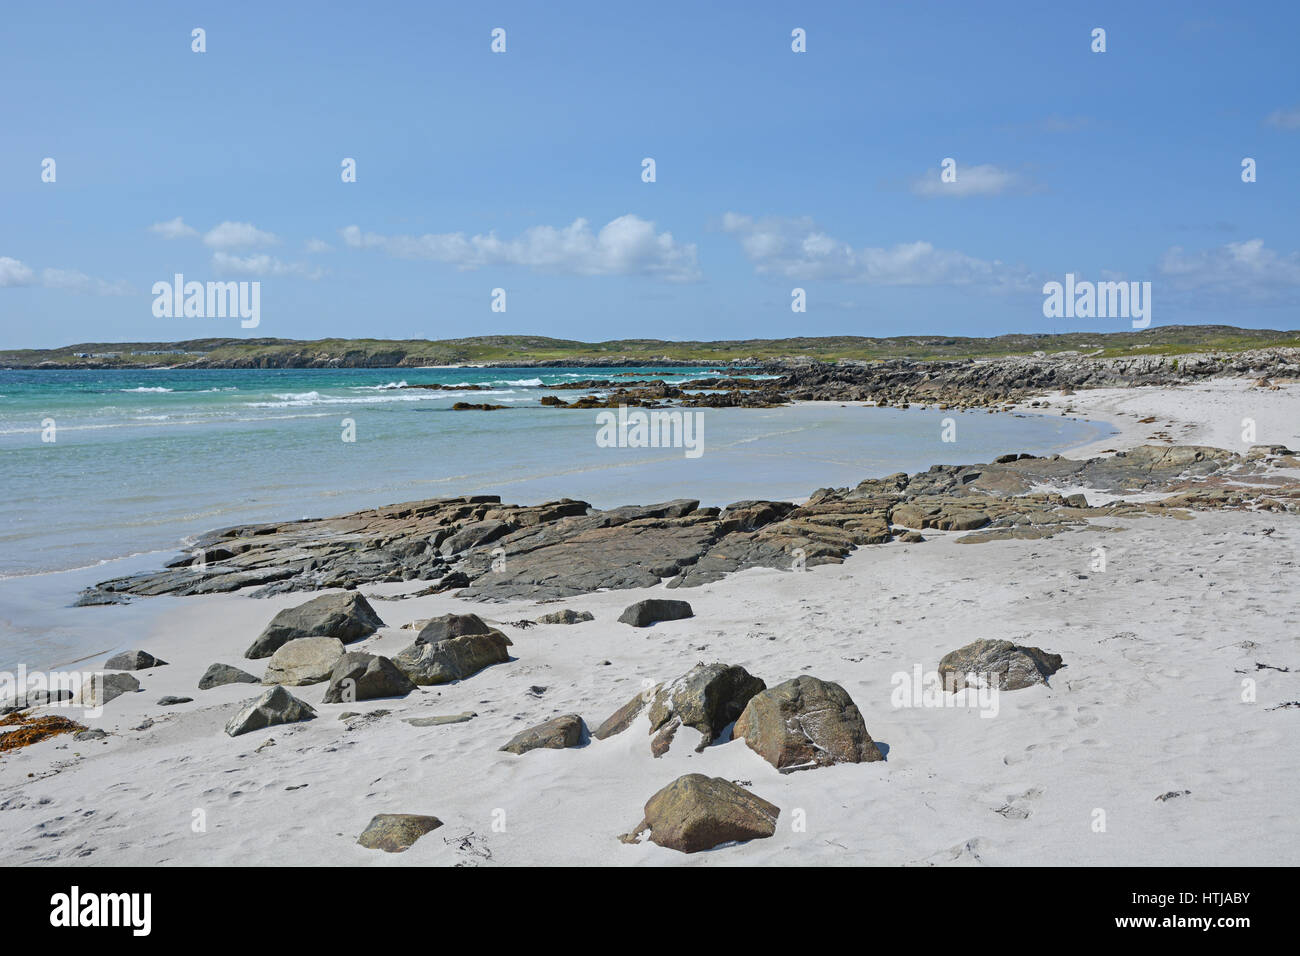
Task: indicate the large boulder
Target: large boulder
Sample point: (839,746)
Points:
(304,660)
(395,832)
(276,706)
(359,676)
(708,697)
(1000,664)
(218,674)
(132,661)
(653,610)
(347,617)
(555,734)
(696,812)
(454,658)
(101,688)
(806,723)
(451,625)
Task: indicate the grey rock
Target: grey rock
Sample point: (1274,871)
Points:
(708,697)
(567,616)
(304,660)
(451,625)
(132,661)
(93,734)
(170,701)
(622,718)
(218,674)
(997,663)
(653,610)
(806,723)
(396,832)
(455,658)
(276,706)
(557,733)
(440,721)
(101,688)
(347,617)
(359,676)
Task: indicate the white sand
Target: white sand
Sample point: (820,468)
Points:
(1157,648)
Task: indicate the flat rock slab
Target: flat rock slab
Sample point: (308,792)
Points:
(557,733)
(170,701)
(396,832)
(305,660)
(997,663)
(276,706)
(654,610)
(440,721)
(695,813)
(806,723)
(132,661)
(347,617)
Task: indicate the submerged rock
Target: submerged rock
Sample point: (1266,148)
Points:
(347,617)
(806,723)
(695,813)
(276,706)
(997,663)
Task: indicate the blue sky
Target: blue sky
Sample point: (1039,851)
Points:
(523,170)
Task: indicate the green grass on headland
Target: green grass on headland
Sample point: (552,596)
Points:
(524,349)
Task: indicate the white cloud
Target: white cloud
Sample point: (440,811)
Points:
(238,235)
(261,265)
(797,249)
(174,229)
(627,245)
(1244,269)
(985,180)
(15,273)
(318,245)
(1285,119)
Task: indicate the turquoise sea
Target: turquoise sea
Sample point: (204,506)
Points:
(143,459)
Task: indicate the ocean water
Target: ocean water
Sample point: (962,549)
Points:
(142,460)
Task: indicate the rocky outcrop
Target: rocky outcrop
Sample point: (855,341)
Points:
(218,674)
(997,663)
(347,617)
(359,676)
(567,730)
(396,832)
(276,706)
(305,660)
(695,813)
(708,698)
(654,610)
(132,661)
(806,723)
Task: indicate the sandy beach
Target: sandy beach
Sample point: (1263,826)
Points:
(1166,738)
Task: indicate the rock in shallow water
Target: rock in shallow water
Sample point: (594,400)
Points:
(396,832)
(276,706)
(806,723)
(555,734)
(696,812)
(1000,664)
(348,617)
